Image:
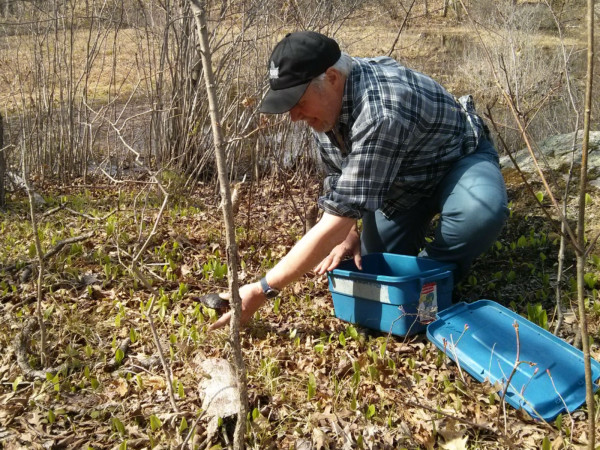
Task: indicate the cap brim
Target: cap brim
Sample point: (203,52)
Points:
(282,100)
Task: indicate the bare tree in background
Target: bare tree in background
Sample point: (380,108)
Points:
(2,164)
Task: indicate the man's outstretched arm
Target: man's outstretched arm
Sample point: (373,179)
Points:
(303,257)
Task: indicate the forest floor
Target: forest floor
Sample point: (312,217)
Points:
(314,381)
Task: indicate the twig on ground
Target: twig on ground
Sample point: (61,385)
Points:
(113,363)
(452,416)
(20,344)
(57,248)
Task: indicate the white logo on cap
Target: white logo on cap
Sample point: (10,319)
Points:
(273,71)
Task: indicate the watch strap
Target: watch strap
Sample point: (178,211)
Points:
(268,290)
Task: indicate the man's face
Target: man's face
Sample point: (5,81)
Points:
(320,105)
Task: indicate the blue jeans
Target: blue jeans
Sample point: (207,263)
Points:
(472,203)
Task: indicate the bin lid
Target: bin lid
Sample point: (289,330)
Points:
(482,338)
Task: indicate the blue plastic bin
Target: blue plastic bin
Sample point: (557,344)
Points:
(393,293)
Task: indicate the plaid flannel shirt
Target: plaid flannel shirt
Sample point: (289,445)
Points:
(398,134)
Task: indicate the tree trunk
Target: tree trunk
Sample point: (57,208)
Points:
(236,304)
(581,257)
(2,165)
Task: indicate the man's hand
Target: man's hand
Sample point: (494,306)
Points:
(252,298)
(350,247)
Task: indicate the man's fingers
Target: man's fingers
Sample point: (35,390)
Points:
(335,261)
(358,260)
(221,322)
(322,267)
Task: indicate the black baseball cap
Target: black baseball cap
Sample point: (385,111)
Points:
(296,60)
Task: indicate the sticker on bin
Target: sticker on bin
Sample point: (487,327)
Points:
(428,306)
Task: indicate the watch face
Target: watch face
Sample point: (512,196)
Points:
(268,291)
(271,293)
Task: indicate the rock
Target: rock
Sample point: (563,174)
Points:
(38,200)
(555,153)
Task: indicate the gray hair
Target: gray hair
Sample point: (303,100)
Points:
(343,66)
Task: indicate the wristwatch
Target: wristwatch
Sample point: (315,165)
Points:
(268,290)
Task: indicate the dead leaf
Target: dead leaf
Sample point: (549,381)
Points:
(117,388)
(303,444)
(454,440)
(154,381)
(319,439)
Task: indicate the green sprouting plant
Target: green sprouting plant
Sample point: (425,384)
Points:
(511,276)
(163,304)
(179,388)
(351,331)
(540,196)
(183,425)
(111,224)
(269,371)
(590,279)
(117,426)
(111,271)
(213,267)
(267,261)
(370,412)
(119,355)
(16,382)
(342,338)
(120,314)
(311,386)
(537,314)
(155,423)
(373,372)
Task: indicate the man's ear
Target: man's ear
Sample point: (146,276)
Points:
(335,78)
(332,75)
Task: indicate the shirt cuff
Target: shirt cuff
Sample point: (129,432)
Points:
(338,209)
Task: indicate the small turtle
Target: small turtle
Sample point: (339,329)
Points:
(218,302)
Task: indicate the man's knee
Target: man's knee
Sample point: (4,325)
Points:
(482,221)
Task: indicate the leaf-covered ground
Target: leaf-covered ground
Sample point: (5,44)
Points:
(313,380)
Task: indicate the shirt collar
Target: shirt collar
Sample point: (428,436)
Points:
(347,99)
